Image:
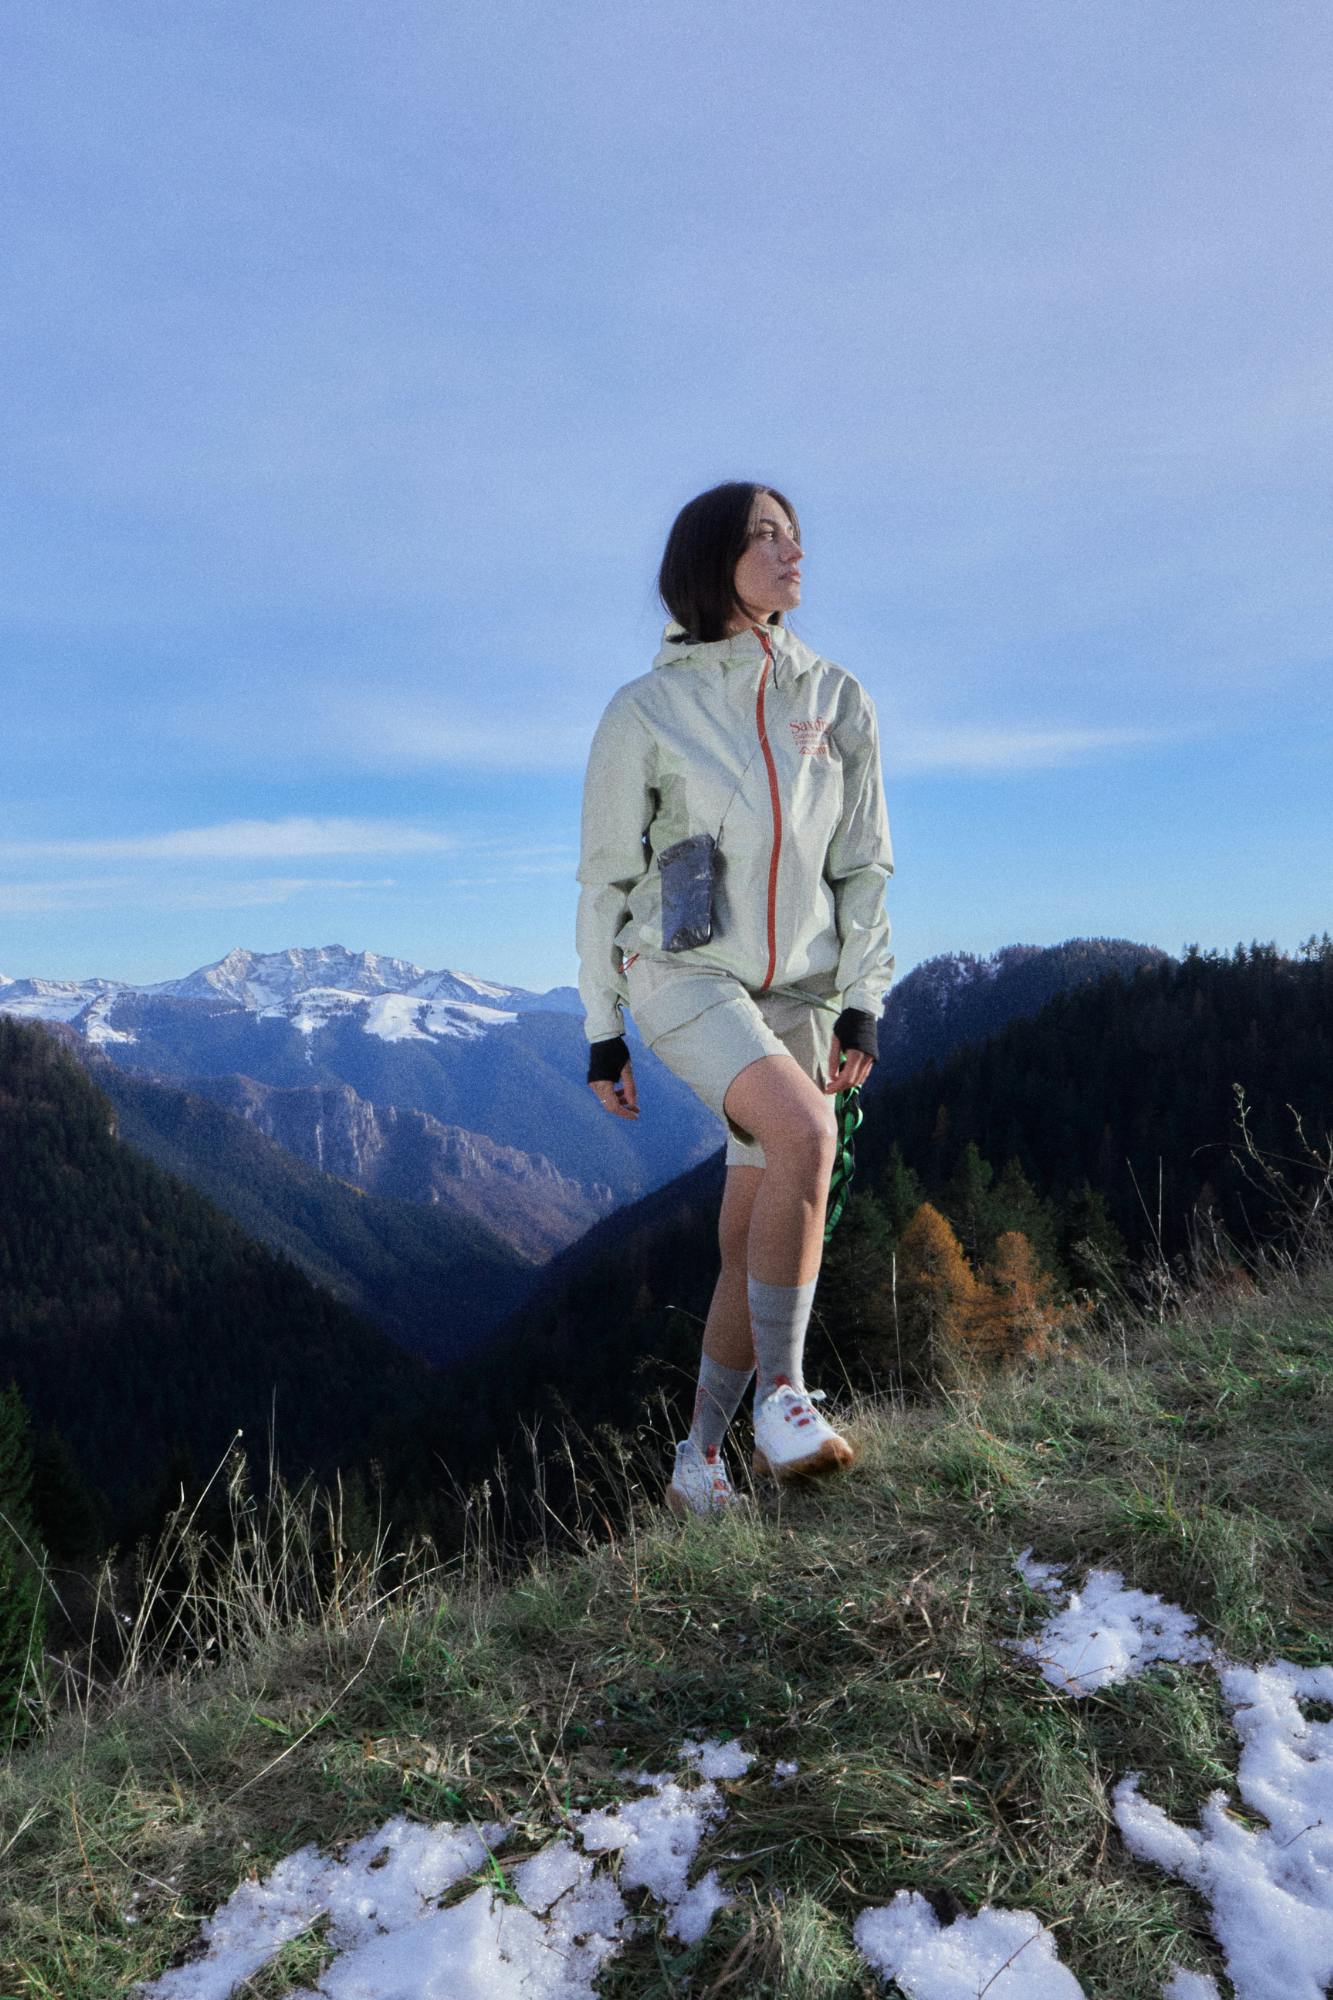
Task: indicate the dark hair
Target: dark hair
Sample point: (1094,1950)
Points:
(697,580)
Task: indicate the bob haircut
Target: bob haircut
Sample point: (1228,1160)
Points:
(697,580)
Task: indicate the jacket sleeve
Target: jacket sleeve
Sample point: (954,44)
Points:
(859,863)
(619,803)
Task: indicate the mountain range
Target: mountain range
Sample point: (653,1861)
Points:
(431,1087)
(451,1092)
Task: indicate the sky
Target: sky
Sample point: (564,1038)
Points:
(358,359)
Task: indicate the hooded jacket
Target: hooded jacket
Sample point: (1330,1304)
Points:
(775,753)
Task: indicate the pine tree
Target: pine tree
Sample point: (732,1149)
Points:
(899,1190)
(1015,1204)
(967,1201)
(69,1515)
(937,1295)
(1015,1314)
(1095,1253)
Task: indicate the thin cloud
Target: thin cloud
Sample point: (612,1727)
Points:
(920,750)
(241,840)
(53,898)
(433,733)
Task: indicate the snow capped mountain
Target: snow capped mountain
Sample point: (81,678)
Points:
(309,988)
(54,999)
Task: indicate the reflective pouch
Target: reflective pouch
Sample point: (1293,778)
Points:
(687,869)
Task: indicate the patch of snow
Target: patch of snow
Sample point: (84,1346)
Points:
(1184,1985)
(466,1018)
(784,1772)
(1005,1954)
(1108,1633)
(695,1910)
(98,1029)
(657,1839)
(384,1881)
(394,1017)
(718,1760)
(1039,1576)
(391,1941)
(1270,1890)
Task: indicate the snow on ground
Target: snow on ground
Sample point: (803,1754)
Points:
(1006,1954)
(381,1885)
(466,1018)
(1269,1889)
(1106,1633)
(392,1941)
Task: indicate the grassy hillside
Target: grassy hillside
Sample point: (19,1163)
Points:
(861,1631)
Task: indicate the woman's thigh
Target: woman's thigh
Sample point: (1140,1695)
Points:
(781,1107)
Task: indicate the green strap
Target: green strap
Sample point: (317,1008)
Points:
(850,1115)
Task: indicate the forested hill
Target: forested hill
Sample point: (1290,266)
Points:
(1128,1086)
(142,1323)
(946,1002)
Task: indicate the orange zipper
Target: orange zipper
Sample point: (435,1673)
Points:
(776,802)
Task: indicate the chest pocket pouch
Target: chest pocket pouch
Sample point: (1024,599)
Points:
(688,869)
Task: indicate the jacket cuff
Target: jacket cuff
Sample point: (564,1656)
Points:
(606,1060)
(856,1029)
(603,1023)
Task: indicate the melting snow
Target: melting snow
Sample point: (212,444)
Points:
(718,1760)
(1270,1890)
(392,1941)
(1106,1633)
(1006,1954)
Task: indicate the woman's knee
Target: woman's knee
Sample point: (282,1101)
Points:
(790,1117)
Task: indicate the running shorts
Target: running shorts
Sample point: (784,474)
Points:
(732,1029)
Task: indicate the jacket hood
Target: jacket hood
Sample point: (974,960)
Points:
(791,656)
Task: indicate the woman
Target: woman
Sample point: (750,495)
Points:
(734,855)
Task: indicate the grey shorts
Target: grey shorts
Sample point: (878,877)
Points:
(733,1030)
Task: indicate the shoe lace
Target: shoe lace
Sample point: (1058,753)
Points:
(720,1484)
(798,1411)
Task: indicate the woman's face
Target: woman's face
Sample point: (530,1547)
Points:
(768,575)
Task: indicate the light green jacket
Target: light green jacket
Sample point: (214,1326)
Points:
(779,761)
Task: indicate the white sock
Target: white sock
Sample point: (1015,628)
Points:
(779,1316)
(716,1401)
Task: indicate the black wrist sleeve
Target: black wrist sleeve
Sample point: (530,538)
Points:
(607,1059)
(856,1029)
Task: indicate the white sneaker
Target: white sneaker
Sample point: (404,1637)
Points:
(699,1484)
(792,1440)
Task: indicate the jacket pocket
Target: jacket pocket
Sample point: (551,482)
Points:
(687,869)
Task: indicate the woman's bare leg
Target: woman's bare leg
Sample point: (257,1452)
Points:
(727,1329)
(795,1123)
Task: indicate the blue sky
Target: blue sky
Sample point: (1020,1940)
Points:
(359,357)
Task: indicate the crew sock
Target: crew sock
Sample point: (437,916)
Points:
(779,1315)
(716,1401)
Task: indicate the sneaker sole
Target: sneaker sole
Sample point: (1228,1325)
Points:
(834,1455)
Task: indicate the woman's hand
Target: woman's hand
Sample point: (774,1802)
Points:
(620,1098)
(848,1070)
